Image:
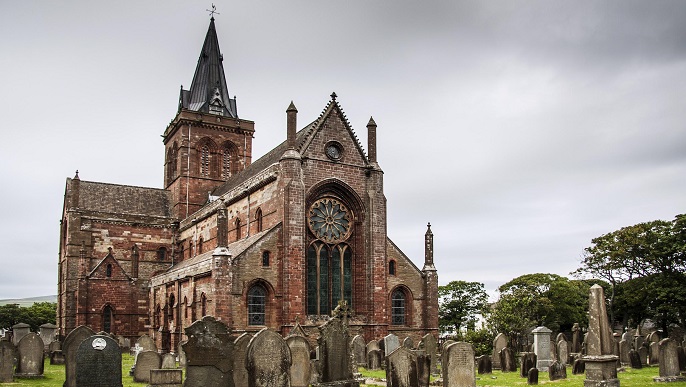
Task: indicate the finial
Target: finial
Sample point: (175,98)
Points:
(76,177)
(428,225)
(333,96)
(292,108)
(109,249)
(213,11)
(371,121)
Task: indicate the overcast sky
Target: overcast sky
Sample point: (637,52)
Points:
(519,129)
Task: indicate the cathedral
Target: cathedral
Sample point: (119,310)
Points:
(276,242)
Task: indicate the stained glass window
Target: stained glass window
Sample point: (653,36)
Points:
(107,317)
(329,277)
(256,305)
(398,308)
(329,220)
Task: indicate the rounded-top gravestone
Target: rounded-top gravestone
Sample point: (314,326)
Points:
(98,362)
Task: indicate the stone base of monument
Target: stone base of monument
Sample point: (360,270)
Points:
(669,379)
(56,357)
(601,371)
(339,383)
(166,378)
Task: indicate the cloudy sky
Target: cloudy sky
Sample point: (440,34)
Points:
(519,129)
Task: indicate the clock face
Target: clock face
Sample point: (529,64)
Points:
(333,151)
(329,220)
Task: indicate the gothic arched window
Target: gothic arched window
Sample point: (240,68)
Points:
(107,319)
(258,219)
(170,309)
(205,160)
(257,297)
(161,253)
(391,267)
(203,305)
(199,246)
(398,308)
(265,258)
(238,228)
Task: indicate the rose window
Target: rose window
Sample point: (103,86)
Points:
(329,220)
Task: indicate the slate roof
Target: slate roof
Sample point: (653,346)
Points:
(124,199)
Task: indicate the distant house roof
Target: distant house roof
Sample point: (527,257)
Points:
(124,199)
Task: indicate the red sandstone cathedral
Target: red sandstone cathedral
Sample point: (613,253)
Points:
(264,243)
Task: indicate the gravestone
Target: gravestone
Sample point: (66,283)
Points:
(682,358)
(69,347)
(542,347)
(98,363)
(499,342)
(624,352)
(301,368)
(182,355)
(601,363)
(557,371)
(56,357)
(268,360)
(653,353)
(484,365)
(532,377)
(19,331)
(576,338)
(527,361)
(146,343)
(166,378)
(168,361)
(407,343)
(391,342)
(54,346)
(562,353)
(335,358)
(635,360)
(8,356)
(669,362)
(423,367)
(638,340)
(30,351)
(653,337)
(240,350)
(146,361)
(458,369)
(359,349)
(374,359)
(578,367)
(209,354)
(401,368)
(372,345)
(507,360)
(47,333)
(643,355)
(430,346)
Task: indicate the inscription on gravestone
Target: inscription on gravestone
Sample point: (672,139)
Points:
(459,366)
(98,363)
(268,360)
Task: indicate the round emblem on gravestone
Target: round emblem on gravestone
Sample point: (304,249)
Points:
(329,220)
(99,344)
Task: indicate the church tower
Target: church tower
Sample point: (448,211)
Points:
(206,143)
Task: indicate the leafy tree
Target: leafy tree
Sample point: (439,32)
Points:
(10,314)
(460,304)
(35,315)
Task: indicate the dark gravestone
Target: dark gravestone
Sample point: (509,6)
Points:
(635,360)
(268,360)
(359,349)
(458,369)
(643,355)
(576,338)
(71,344)
(527,360)
(301,368)
(209,354)
(669,362)
(401,369)
(423,367)
(484,365)
(578,367)
(30,362)
(682,358)
(98,363)
(240,350)
(374,359)
(8,356)
(334,352)
(532,377)
(557,371)
(507,360)
(430,346)
(146,361)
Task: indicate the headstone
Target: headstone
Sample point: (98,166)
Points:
(682,358)
(54,346)
(653,337)
(98,362)
(182,355)
(146,343)
(391,342)
(532,377)
(401,368)
(359,349)
(69,347)
(624,352)
(408,343)
(430,346)
(578,367)
(576,338)
(19,331)
(423,367)
(635,360)
(268,360)
(527,361)
(301,368)
(601,363)
(484,365)
(56,357)
(124,342)
(653,353)
(8,356)
(507,360)
(557,371)
(638,341)
(209,354)
(669,362)
(562,354)
(458,369)
(560,336)
(146,361)
(542,347)
(47,333)
(372,345)
(499,343)
(628,336)
(166,378)
(643,355)
(30,357)
(374,359)
(168,361)
(335,358)
(240,350)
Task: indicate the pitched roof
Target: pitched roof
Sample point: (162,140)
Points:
(124,199)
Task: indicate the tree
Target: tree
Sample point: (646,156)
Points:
(35,315)
(460,304)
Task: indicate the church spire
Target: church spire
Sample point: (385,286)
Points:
(209,92)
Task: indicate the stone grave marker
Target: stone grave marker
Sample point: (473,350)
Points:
(374,359)
(69,347)
(374,344)
(240,350)
(209,354)
(532,377)
(391,342)
(445,345)
(458,369)
(643,355)
(682,358)
(423,367)
(301,368)
(335,359)
(30,352)
(562,354)
(527,361)
(19,330)
(182,355)
(635,360)
(146,361)
(653,337)
(8,356)
(430,346)
(576,338)
(166,378)
(146,343)
(557,371)
(168,361)
(653,353)
(578,367)
(401,368)
(268,360)
(624,352)
(484,365)
(499,342)
(408,343)
(600,361)
(47,333)
(542,347)
(98,362)
(507,360)
(669,362)
(359,349)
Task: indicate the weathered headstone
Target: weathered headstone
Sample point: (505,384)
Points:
(30,351)
(601,363)
(146,361)
(532,377)
(653,337)
(499,343)
(98,363)
(624,352)
(209,354)
(669,362)
(635,360)
(578,367)
(182,355)
(653,353)
(576,338)
(643,355)
(430,346)
(8,356)
(374,344)
(557,371)
(69,347)
(146,343)
(359,349)
(374,359)
(423,367)
(166,378)
(542,347)
(391,342)
(301,368)
(240,350)
(458,369)
(408,343)
(682,358)
(268,360)
(168,361)
(335,358)
(401,368)
(527,361)
(562,354)
(484,365)
(507,360)
(56,357)
(19,331)
(47,333)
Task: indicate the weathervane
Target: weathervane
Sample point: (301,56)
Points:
(213,11)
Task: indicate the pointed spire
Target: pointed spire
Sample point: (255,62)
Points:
(371,140)
(428,248)
(208,92)
(291,124)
